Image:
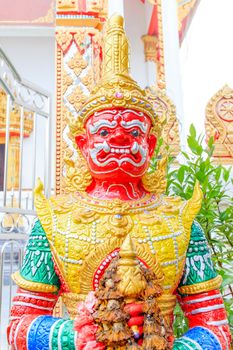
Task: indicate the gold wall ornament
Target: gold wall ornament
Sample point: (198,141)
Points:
(79,13)
(77,63)
(96,6)
(88,80)
(150,48)
(66,82)
(63,5)
(168,125)
(161,74)
(156,182)
(77,98)
(132,282)
(219,124)
(64,39)
(99,6)
(72,45)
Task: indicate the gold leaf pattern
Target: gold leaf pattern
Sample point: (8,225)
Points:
(66,82)
(219,124)
(77,63)
(88,80)
(77,98)
(64,39)
(166,112)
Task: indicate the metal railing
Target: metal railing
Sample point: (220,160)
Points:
(17,211)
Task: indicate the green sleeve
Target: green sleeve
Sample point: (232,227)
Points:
(38,265)
(198,266)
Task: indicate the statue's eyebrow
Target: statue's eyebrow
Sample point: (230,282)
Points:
(93,128)
(127,125)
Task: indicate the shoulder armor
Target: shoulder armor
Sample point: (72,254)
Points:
(43,208)
(199,273)
(192,206)
(37,272)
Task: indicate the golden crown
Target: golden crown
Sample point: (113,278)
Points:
(116,88)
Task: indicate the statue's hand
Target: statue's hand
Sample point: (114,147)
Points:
(135,310)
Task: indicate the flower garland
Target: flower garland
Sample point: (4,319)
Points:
(85,325)
(106,321)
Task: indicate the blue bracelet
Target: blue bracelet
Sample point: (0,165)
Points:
(38,334)
(202,339)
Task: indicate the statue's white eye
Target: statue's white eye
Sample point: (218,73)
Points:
(135,133)
(104,132)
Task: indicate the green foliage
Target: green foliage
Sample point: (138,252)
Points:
(216,214)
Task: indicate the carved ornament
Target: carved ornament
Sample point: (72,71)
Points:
(72,46)
(150,47)
(219,124)
(165,109)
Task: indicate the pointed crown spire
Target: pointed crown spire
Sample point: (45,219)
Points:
(116,87)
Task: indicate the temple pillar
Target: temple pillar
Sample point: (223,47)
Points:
(13,161)
(158,91)
(172,60)
(78,69)
(135,26)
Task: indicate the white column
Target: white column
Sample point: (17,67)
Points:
(150,66)
(135,27)
(151,73)
(115,6)
(172,60)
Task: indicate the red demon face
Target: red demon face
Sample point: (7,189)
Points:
(117,144)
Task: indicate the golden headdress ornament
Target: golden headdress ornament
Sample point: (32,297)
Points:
(116,88)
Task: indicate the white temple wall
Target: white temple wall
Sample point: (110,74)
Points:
(135,26)
(172,61)
(150,66)
(206,58)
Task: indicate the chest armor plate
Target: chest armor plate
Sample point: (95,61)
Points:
(85,233)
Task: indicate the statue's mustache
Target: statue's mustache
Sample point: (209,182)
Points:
(121,150)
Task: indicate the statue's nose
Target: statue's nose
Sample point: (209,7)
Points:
(120,139)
